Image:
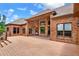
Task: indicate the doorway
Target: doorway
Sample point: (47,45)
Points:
(48,30)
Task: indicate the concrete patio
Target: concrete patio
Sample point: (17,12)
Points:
(37,46)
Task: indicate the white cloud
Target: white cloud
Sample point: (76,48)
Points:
(33,12)
(9,12)
(53,5)
(40,6)
(23,9)
(35,4)
(7,20)
(15,17)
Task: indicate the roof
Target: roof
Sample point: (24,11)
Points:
(19,21)
(64,10)
(41,13)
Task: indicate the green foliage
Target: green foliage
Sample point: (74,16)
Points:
(2,27)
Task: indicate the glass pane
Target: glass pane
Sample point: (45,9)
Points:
(42,29)
(59,33)
(60,27)
(67,27)
(42,23)
(67,33)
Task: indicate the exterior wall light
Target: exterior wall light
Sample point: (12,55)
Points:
(54,13)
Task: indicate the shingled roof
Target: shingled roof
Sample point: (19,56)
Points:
(64,10)
(41,13)
(60,11)
(19,21)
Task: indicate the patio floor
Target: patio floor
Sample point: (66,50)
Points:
(37,46)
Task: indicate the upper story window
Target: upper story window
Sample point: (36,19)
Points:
(64,29)
(42,23)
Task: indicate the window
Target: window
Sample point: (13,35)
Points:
(60,30)
(42,29)
(14,30)
(17,30)
(67,27)
(67,30)
(30,31)
(64,29)
(23,30)
(42,23)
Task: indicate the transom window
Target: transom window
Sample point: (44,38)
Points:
(42,23)
(64,29)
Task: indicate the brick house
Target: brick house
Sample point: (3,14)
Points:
(60,24)
(64,25)
(17,27)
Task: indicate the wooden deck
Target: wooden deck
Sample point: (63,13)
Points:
(36,46)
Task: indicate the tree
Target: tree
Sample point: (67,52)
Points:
(2,23)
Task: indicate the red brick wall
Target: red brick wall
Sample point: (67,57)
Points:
(65,19)
(35,23)
(10,32)
(76,9)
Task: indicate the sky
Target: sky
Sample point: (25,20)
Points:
(14,11)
